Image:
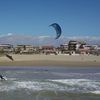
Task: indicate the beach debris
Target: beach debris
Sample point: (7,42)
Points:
(10,57)
(58,29)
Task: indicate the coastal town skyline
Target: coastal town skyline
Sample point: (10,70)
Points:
(76,17)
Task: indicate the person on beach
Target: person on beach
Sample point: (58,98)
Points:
(10,57)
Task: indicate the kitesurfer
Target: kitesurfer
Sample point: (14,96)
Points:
(2,77)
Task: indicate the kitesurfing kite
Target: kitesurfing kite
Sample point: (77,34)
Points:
(58,29)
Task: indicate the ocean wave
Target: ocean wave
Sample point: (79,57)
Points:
(95,92)
(66,85)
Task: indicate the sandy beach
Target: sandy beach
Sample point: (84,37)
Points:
(50,60)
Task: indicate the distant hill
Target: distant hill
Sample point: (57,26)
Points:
(44,40)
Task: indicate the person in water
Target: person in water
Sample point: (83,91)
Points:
(1,77)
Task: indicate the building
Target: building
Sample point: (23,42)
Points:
(72,45)
(48,50)
(24,49)
(6,48)
(76,46)
(94,50)
(85,49)
(63,48)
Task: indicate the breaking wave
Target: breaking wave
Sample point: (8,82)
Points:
(66,85)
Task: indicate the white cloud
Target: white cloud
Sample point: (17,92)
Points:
(42,37)
(9,34)
(4,35)
(84,37)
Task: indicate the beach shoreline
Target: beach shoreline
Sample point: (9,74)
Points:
(51,60)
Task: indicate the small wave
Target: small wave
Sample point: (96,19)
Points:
(95,92)
(80,85)
(71,81)
(67,85)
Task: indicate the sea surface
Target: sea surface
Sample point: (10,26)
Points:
(50,83)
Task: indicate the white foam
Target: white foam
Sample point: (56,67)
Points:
(85,85)
(35,86)
(27,85)
(68,85)
(95,92)
(79,85)
(73,81)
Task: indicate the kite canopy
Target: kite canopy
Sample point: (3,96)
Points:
(58,29)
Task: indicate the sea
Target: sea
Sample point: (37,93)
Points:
(50,83)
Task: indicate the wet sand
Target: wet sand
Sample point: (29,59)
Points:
(51,60)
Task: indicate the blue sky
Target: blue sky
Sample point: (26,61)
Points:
(76,17)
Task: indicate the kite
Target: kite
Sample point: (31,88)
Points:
(57,29)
